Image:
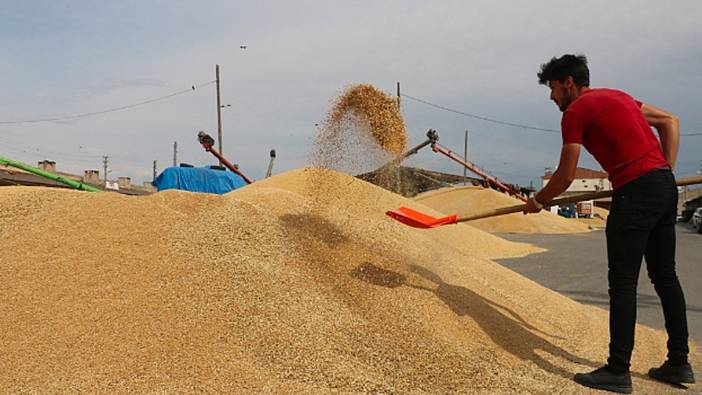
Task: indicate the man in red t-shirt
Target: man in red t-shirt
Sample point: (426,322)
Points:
(616,129)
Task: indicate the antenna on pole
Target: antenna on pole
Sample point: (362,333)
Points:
(398,95)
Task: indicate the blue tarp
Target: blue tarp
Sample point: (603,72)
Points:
(198,179)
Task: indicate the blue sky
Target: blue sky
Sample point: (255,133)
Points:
(63,58)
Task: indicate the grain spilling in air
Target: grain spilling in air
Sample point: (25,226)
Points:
(362,130)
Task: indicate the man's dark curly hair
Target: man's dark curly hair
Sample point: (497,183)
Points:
(557,69)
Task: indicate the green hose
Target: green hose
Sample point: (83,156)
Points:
(49,175)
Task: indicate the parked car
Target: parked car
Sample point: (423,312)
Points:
(567,210)
(697,219)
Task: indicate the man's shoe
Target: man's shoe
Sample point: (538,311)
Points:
(674,374)
(604,379)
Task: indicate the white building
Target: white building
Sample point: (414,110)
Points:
(586,180)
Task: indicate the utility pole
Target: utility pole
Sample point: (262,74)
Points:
(104,164)
(154,179)
(398,95)
(219,115)
(175,153)
(465,156)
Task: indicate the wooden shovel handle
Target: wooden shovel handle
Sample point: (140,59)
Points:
(565,200)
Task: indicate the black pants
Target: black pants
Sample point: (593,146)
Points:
(641,223)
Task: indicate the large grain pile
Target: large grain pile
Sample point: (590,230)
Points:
(269,289)
(474,200)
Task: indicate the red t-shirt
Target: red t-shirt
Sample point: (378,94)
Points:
(610,125)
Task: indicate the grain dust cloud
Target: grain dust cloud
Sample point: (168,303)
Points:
(362,130)
(362,133)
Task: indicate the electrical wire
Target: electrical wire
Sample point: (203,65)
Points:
(517,125)
(90,114)
(510,174)
(76,159)
(482,118)
(27,148)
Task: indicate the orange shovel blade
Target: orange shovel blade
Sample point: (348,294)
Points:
(419,220)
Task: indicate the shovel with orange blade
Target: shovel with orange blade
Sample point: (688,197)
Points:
(418,219)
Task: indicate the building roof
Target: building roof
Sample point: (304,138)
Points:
(582,173)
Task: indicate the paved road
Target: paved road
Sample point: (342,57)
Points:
(576,265)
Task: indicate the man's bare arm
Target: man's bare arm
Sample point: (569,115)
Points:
(561,178)
(668,127)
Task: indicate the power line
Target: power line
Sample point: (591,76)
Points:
(27,148)
(482,118)
(89,114)
(39,154)
(510,174)
(517,125)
